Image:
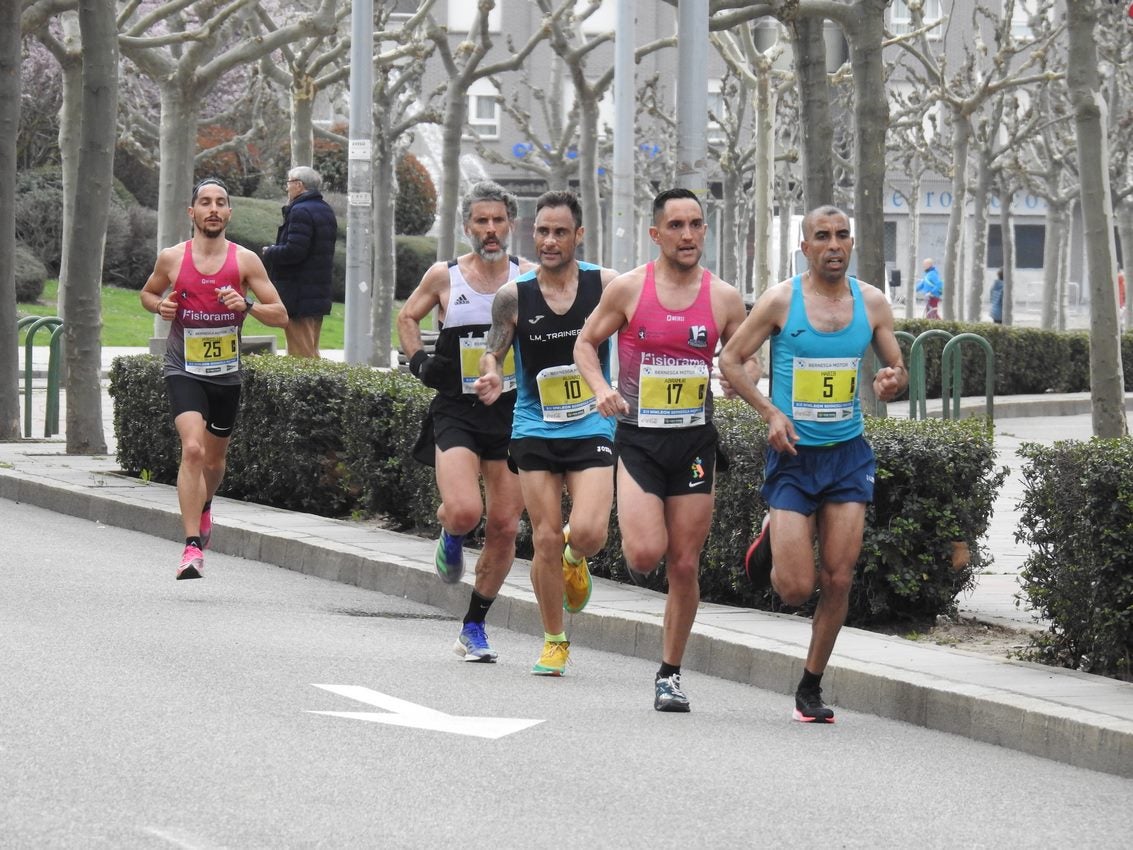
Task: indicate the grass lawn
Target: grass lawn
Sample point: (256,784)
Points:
(125,324)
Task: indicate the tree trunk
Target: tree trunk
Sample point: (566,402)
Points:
(588,176)
(949,268)
(871,125)
(92,210)
(764,165)
(1007,237)
(177,146)
(913,263)
(302,128)
(1107,385)
(1064,269)
(786,210)
(385,249)
(730,227)
(814,99)
(9,126)
(1052,265)
(70,114)
(977,270)
(455,114)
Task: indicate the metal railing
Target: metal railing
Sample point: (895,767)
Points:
(33,325)
(951,372)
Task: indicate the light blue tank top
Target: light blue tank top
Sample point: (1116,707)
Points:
(815,375)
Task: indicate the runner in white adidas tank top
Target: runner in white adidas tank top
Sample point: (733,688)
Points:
(464,439)
(669,315)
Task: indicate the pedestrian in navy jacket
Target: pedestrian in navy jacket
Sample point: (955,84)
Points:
(301,261)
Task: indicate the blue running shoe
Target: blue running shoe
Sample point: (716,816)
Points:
(450,557)
(472,645)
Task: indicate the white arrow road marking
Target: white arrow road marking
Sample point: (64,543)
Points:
(420,717)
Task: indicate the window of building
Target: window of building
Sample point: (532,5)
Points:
(901,20)
(483,106)
(1030,242)
(890,242)
(462,15)
(715,131)
(1021,14)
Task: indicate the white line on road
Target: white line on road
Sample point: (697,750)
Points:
(414,716)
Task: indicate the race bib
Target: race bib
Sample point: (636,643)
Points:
(471,350)
(212,351)
(672,396)
(564,394)
(824,388)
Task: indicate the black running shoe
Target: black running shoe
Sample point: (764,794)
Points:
(668,695)
(809,707)
(757,561)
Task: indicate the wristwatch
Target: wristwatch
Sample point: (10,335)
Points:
(248,302)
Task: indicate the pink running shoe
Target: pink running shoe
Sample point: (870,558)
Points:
(192,564)
(206,528)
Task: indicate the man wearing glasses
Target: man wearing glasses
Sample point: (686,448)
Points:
(302,260)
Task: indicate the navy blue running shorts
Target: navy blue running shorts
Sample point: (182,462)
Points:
(842,472)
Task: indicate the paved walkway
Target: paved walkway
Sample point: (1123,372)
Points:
(1059,714)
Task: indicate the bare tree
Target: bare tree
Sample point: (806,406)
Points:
(9,125)
(398,108)
(1047,166)
(549,150)
(186,49)
(749,149)
(1107,380)
(964,92)
(92,210)
(464,66)
(64,43)
(310,65)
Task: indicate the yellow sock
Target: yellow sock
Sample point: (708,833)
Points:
(571,556)
(559,638)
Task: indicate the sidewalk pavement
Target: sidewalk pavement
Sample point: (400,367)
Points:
(1058,714)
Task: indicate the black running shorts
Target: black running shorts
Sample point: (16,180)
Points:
(217,403)
(679,462)
(560,456)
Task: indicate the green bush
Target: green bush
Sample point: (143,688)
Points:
(31,275)
(415,208)
(389,408)
(39,224)
(334,440)
(1077,517)
(295,462)
(414,256)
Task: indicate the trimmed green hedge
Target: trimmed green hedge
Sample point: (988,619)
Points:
(335,440)
(1027,360)
(1077,517)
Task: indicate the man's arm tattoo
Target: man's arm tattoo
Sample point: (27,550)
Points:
(505,310)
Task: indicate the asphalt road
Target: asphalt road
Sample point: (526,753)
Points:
(137,711)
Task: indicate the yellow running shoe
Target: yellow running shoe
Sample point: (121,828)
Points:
(554,659)
(577,583)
